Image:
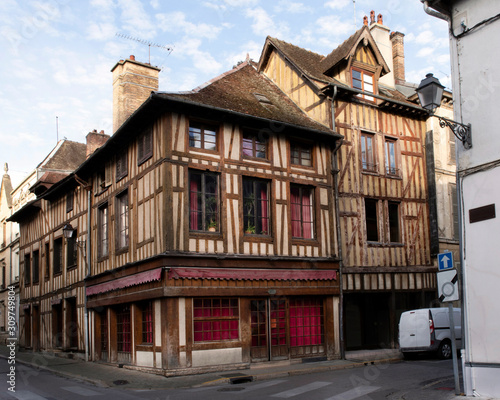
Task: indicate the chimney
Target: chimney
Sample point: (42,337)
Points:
(95,140)
(380,34)
(398,56)
(133,82)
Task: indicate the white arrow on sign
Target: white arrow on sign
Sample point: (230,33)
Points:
(445,259)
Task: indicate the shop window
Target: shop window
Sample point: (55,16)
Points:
(255,206)
(301,154)
(215,319)
(302,211)
(203,136)
(147,322)
(123,330)
(306,322)
(203,201)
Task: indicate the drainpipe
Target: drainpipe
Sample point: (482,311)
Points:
(88,249)
(434,13)
(335,173)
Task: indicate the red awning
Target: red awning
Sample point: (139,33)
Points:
(252,274)
(120,283)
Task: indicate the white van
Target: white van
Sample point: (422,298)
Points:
(428,329)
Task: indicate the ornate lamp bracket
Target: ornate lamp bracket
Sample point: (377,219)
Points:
(461,131)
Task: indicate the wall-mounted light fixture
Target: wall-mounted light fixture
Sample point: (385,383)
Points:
(430,93)
(69,233)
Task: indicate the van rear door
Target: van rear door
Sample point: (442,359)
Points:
(414,329)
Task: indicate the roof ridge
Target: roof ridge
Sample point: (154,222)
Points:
(238,67)
(294,45)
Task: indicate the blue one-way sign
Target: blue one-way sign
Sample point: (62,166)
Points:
(445,261)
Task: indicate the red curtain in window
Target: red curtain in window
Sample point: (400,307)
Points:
(263,206)
(306,215)
(193,205)
(305,322)
(295,206)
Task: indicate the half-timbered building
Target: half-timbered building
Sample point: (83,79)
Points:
(382,182)
(210,241)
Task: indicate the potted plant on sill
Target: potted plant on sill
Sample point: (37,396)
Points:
(212,226)
(250,229)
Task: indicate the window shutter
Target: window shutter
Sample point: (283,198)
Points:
(107,174)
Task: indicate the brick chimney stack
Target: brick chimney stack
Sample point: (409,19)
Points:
(133,82)
(398,56)
(95,140)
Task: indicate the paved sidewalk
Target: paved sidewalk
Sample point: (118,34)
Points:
(106,375)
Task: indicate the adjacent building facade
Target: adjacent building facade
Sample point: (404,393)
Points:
(474,27)
(382,180)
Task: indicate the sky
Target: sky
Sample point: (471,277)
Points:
(56,55)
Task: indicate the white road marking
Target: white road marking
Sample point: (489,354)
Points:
(260,386)
(301,389)
(26,395)
(81,391)
(354,393)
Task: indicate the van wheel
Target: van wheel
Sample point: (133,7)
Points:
(444,350)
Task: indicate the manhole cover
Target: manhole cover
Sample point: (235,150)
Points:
(231,389)
(120,382)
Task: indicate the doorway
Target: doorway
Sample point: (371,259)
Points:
(287,328)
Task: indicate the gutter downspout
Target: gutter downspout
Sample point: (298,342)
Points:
(335,173)
(86,314)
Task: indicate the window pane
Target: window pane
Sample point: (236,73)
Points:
(194,137)
(371,220)
(203,201)
(394,222)
(356,74)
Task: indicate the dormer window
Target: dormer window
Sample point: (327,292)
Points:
(363,80)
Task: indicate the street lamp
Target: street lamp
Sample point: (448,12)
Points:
(430,92)
(68,231)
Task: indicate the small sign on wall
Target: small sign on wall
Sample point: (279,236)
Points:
(482,213)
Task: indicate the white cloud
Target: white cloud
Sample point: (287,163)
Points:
(293,7)
(202,60)
(135,19)
(263,24)
(176,21)
(425,52)
(425,37)
(333,25)
(253,49)
(337,4)
(241,3)
(101,31)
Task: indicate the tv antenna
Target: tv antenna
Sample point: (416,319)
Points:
(148,43)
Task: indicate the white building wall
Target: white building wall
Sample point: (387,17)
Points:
(476,92)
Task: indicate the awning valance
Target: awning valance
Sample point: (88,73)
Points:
(252,274)
(120,283)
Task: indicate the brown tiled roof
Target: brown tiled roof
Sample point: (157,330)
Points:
(69,156)
(307,61)
(237,91)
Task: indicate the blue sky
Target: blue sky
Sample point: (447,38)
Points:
(57,54)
